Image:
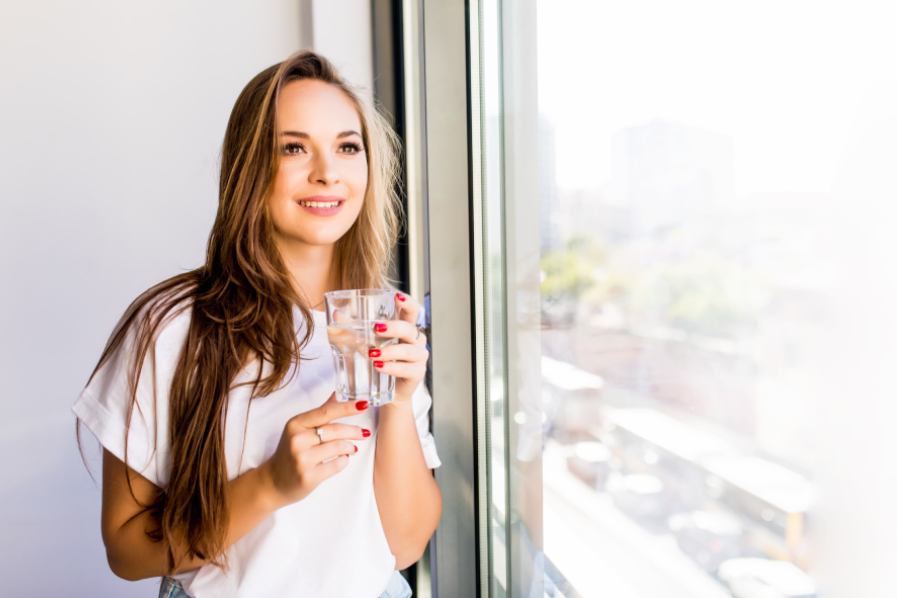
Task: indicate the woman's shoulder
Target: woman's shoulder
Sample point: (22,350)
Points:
(159,316)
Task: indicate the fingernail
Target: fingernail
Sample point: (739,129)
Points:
(356,448)
(365,432)
(379,327)
(361,405)
(400,296)
(373,352)
(378,364)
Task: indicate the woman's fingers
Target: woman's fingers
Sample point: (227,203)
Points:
(407,308)
(322,453)
(319,457)
(302,459)
(403,330)
(326,413)
(401,360)
(331,467)
(308,438)
(401,369)
(399,352)
(407,359)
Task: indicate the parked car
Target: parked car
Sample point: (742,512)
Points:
(642,497)
(709,537)
(766,578)
(590,462)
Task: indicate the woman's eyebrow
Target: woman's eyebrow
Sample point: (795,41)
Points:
(303,135)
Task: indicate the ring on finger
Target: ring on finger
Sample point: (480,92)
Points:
(320,432)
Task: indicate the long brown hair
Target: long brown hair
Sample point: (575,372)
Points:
(241,302)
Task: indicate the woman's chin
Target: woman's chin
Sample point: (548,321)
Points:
(318,239)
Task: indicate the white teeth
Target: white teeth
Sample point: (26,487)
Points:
(319,204)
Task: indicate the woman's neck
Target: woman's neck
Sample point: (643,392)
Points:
(310,266)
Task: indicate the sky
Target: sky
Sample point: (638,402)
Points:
(785,79)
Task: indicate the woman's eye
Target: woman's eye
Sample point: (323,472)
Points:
(354,147)
(292,148)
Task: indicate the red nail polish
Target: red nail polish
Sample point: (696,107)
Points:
(378,364)
(365,432)
(361,405)
(400,296)
(356,449)
(373,352)
(379,327)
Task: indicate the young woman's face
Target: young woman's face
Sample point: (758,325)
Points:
(323,173)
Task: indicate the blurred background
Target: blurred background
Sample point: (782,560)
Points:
(669,226)
(705,260)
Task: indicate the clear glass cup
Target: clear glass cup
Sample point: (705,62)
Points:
(351,315)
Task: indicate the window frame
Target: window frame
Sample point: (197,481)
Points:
(439,188)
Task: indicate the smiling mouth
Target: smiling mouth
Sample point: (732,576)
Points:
(319,204)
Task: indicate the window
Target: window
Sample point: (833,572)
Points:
(681,247)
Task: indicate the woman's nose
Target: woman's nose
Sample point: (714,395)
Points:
(323,170)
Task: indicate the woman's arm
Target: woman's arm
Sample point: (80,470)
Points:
(408,497)
(132,555)
(299,464)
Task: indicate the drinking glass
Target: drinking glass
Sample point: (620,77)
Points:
(351,315)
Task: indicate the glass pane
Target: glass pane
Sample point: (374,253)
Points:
(493,287)
(688,207)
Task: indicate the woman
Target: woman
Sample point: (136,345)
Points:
(229,467)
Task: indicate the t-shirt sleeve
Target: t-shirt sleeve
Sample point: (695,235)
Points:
(421,403)
(135,433)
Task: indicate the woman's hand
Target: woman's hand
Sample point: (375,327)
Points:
(302,461)
(407,359)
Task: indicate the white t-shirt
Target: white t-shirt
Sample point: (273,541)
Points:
(331,543)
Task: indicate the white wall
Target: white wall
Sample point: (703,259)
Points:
(342,33)
(111,119)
